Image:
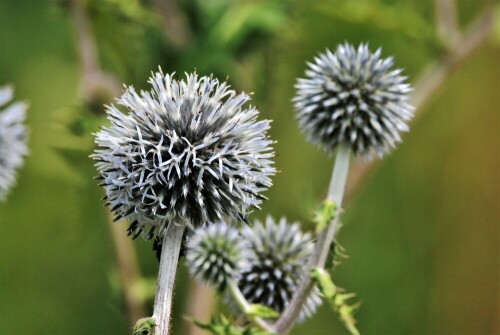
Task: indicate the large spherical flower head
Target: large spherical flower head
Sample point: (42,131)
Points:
(353,97)
(279,255)
(215,254)
(186,152)
(12,139)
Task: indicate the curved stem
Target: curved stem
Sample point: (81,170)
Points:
(323,243)
(244,306)
(166,277)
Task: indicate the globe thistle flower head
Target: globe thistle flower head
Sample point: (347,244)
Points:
(215,254)
(353,97)
(279,256)
(188,152)
(13,138)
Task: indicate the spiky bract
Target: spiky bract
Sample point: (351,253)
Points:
(216,253)
(187,151)
(353,97)
(13,138)
(278,259)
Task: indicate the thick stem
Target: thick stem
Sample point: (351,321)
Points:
(323,243)
(164,289)
(244,306)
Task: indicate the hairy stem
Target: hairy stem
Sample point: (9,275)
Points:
(171,247)
(323,243)
(245,306)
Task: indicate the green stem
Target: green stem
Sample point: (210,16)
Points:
(245,306)
(323,243)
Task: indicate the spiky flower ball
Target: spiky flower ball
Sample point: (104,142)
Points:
(353,97)
(12,139)
(215,253)
(278,259)
(187,151)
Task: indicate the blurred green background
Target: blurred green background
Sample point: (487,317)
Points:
(422,231)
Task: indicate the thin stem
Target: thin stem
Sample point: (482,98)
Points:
(323,243)
(97,86)
(199,304)
(171,247)
(86,44)
(128,270)
(245,306)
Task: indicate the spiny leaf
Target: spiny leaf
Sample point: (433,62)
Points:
(337,299)
(325,214)
(262,311)
(222,326)
(336,255)
(325,283)
(144,326)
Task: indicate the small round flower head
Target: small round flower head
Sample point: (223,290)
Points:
(215,254)
(188,151)
(279,255)
(353,97)
(12,139)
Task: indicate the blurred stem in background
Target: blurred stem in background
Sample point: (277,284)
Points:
(98,88)
(200,304)
(446,21)
(174,24)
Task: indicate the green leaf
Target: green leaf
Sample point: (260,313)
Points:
(241,19)
(144,326)
(222,326)
(336,255)
(337,299)
(325,283)
(400,18)
(325,214)
(262,311)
